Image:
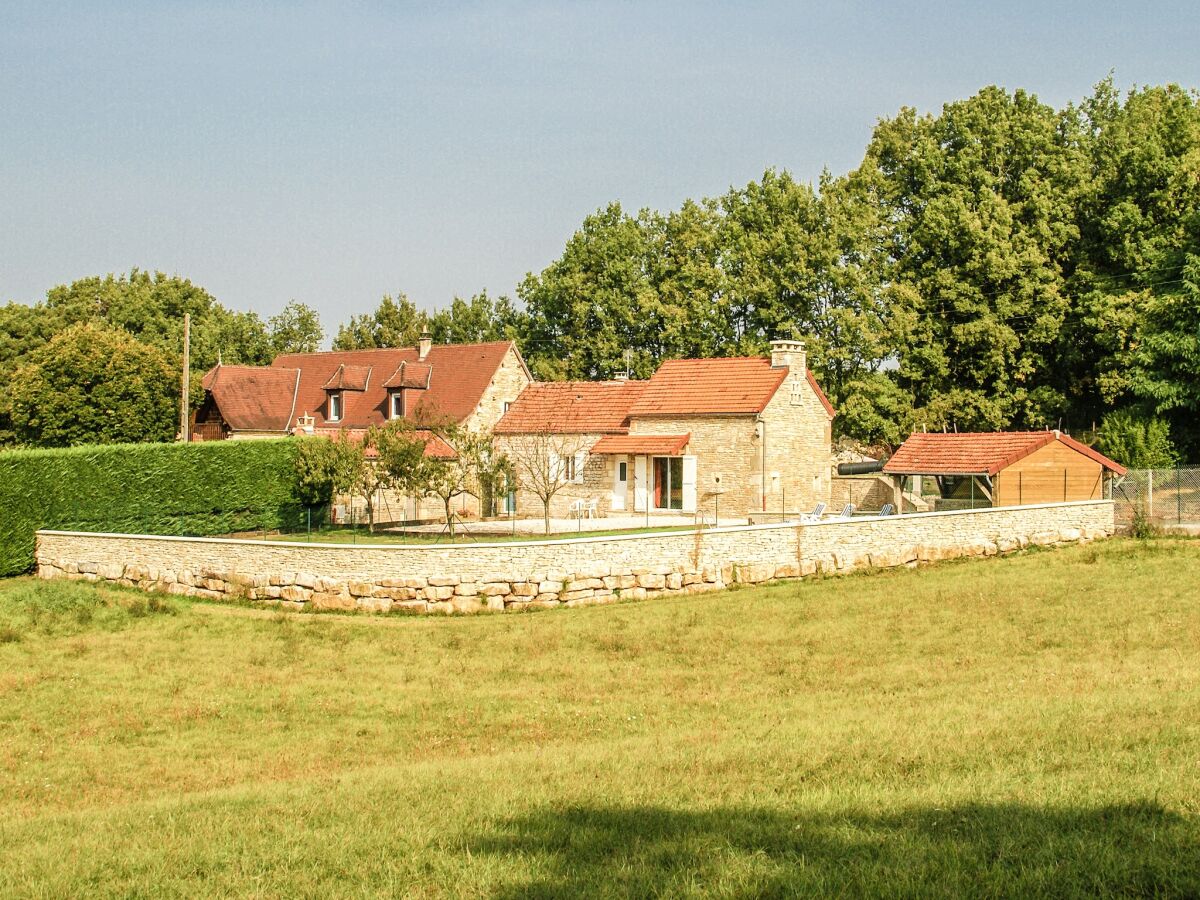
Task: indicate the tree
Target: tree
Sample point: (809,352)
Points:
(477,320)
(981,204)
(1137,442)
(92,384)
(396,322)
(405,455)
(296,329)
(537,459)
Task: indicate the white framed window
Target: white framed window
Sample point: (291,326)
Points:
(335,407)
(570,469)
(396,410)
(507,405)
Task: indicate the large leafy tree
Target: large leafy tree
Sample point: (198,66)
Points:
(586,309)
(396,322)
(296,329)
(94,384)
(480,319)
(980,204)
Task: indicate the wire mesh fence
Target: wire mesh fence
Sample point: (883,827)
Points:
(1166,496)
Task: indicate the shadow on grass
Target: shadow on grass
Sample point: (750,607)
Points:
(972,850)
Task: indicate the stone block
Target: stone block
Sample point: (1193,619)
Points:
(441,606)
(411,605)
(495,604)
(674,581)
(524,589)
(111,571)
(306,580)
(496,589)
(444,580)
(466,589)
(294,594)
(652,580)
(549,587)
(360,588)
(547,597)
(437,593)
(584,584)
(466,604)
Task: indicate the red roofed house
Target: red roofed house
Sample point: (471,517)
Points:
(751,434)
(1005,468)
(471,384)
(328,392)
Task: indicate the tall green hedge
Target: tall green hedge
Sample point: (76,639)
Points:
(196,489)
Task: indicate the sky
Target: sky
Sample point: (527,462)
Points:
(334,152)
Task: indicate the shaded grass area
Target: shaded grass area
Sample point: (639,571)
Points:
(1025,725)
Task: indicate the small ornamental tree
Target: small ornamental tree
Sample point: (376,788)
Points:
(538,463)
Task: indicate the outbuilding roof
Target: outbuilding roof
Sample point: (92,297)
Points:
(254,398)
(729,386)
(979,453)
(572,407)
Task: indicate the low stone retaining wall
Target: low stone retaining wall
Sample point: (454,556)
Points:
(573,572)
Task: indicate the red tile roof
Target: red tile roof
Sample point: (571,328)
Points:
(979,453)
(734,386)
(254,398)
(460,373)
(642,444)
(572,407)
(435,445)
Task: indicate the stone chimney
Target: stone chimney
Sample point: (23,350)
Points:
(789,355)
(423,345)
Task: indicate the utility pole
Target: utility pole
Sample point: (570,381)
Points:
(184,417)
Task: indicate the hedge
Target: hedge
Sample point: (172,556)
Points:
(192,489)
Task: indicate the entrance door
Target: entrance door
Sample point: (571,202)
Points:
(620,483)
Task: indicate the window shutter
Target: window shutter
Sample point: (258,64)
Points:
(640,487)
(580,459)
(555,467)
(689,484)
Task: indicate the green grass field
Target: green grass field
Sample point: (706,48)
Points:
(1020,726)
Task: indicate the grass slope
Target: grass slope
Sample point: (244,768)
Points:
(1025,725)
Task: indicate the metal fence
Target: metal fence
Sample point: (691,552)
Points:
(1165,496)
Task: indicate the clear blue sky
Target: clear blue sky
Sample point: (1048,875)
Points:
(334,152)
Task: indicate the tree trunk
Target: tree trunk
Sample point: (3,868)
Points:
(449,518)
(546,509)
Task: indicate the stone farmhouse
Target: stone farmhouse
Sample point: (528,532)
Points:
(324,393)
(732,437)
(329,392)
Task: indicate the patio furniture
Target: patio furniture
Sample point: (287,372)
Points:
(887,509)
(847,511)
(583,509)
(815,515)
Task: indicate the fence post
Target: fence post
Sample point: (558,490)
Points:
(1178,496)
(1150,493)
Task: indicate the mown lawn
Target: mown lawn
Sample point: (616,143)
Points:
(1025,725)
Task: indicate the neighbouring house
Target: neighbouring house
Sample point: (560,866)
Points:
(1004,468)
(731,436)
(349,390)
(470,384)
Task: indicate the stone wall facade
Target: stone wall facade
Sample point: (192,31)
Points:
(575,572)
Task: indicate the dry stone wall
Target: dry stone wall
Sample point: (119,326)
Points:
(535,574)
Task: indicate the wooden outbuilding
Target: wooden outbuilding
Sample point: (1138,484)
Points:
(1004,468)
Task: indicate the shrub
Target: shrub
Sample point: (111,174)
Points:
(1138,443)
(197,489)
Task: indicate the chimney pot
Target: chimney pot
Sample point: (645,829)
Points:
(789,354)
(423,345)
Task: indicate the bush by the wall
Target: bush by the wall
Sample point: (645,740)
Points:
(192,489)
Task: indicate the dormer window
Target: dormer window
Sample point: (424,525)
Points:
(396,409)
(335,407)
